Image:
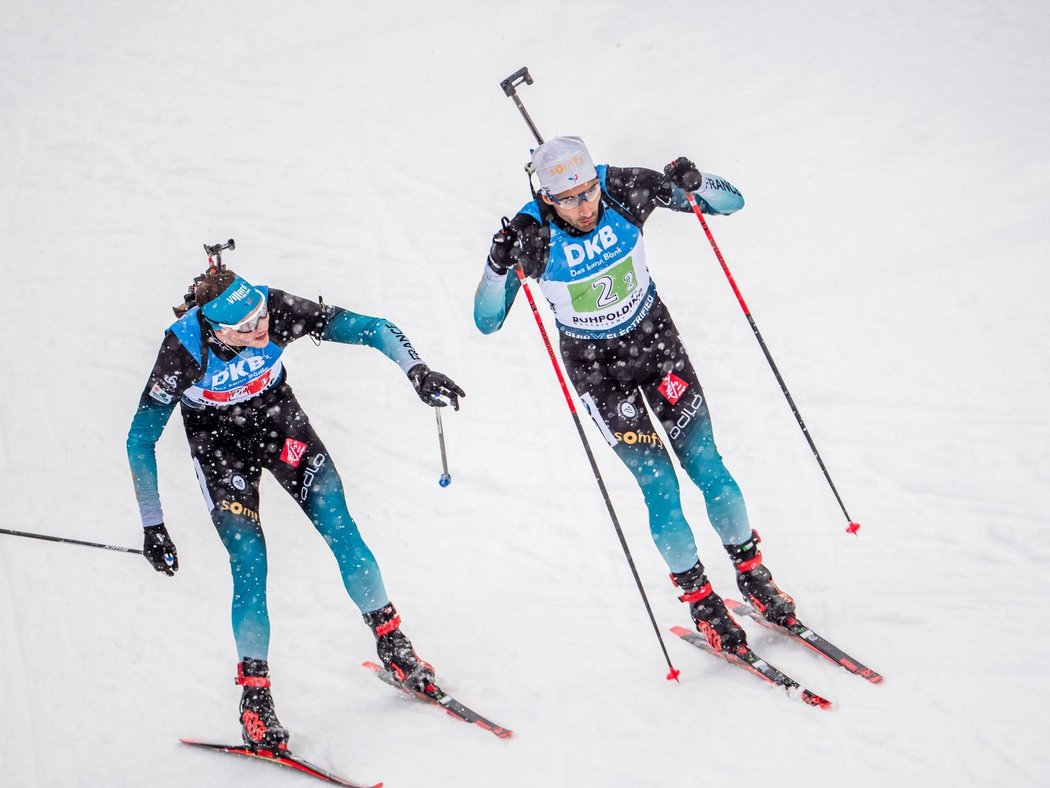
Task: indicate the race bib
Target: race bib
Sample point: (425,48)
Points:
(613,286)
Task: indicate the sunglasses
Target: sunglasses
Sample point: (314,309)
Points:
(250,323)
(572,202)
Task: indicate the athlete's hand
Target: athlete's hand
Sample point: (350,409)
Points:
(504,251)
(684,174)
(431,386)
(159,549)
(534,241)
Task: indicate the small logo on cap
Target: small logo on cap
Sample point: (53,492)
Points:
(239,294)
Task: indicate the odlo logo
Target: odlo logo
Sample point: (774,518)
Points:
(688,413)
(311,472)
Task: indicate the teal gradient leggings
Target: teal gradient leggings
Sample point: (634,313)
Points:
(230,448)
(616,378)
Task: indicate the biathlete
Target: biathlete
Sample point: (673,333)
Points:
(581,238)
(221,361)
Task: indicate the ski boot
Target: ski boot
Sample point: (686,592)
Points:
(756,584)
(260,727)
(708,610)
(396,652)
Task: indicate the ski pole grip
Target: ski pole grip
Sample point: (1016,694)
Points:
(515,79)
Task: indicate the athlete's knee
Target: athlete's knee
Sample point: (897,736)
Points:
(243,539)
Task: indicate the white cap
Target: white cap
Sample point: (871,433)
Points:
(563,163)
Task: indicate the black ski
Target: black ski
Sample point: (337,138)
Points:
(750,661)
(282,758)
(807,637)
(440,698)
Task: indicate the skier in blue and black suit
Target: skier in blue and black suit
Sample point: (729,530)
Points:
(581,238)
(222,362)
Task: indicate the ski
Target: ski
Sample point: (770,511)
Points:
(750,661)
(807,637)
(282,758)
(440,698)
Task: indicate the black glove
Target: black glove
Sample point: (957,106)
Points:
(432,386)
(534,241)
(159,549)
(527,246)
(504,251)
(684,174)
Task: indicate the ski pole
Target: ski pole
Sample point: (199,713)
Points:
(674,672)
(445,479)
(508,86)
(852,527)
(64,540)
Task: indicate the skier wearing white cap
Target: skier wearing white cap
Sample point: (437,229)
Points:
(581,238)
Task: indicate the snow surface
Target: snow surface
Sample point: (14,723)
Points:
(893,251)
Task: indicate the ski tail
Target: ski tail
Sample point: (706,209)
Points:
(282,757)
(441,698)
(800,633)
(751,662)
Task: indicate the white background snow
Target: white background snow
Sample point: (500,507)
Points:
(893,250)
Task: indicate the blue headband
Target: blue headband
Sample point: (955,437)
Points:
(235,303)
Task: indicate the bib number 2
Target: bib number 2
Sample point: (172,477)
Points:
(615,285)
(609,294)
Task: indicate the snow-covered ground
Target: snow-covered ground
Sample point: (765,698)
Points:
(893,251)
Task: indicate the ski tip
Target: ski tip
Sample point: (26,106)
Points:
(680,631)
(853,528)
(812,699)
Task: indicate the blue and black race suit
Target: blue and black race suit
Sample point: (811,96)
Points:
(240,417)
(622,350)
